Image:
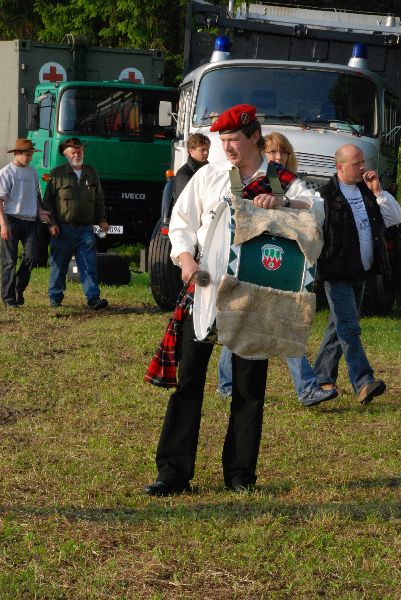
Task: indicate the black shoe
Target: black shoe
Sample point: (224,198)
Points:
(370,390)
(20,298)
(11,305)
(97,303)
(55,303)
(160,488)
(242,488)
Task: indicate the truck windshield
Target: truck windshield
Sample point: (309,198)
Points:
(305,97)
(110,112)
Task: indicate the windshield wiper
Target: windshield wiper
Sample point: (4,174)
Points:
(335,124)
(291,118)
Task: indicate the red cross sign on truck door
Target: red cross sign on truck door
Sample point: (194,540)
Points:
(52,72)
(131,74)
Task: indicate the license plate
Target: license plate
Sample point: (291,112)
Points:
(113,229)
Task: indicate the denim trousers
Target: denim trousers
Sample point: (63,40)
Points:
(79,241)
(302,374)
(343,336)
(13,281)
(176,451)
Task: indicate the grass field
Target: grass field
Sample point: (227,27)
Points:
(79,430)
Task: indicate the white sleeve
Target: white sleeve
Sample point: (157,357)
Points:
(299,191)
(186,219)
(389,208)
(5,184)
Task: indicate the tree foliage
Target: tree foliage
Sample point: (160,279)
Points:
(129,23)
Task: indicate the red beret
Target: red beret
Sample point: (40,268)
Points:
(235,118)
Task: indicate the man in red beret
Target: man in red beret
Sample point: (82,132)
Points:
(75,201)
(243,144)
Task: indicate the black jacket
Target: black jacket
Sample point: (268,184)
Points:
(341,258)
(184,174)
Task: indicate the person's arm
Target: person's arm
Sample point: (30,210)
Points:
(43,215)
(49,206)
(4,231)
(100,211)
(389,207)
(186,220)
(297,197)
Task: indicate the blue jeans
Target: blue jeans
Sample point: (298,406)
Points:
(343,336)
(13,281)
(302,374)
(78,241)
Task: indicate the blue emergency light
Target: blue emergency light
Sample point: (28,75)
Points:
(222,47)
(359,57)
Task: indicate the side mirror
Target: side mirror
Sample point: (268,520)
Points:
(32,116)
(165,116)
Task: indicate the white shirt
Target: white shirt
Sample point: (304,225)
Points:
(390,211)
(193,211)
(19,188)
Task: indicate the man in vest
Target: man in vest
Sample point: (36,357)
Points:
(357,211)
(75,201)
(243,145)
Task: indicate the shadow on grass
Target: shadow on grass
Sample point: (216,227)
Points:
(239,507)
(67,312)
(9,416)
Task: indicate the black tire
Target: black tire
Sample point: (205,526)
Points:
(165,278)
(379,296)
(43,240)
(112,269)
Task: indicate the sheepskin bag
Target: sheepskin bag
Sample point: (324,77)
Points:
(258,322)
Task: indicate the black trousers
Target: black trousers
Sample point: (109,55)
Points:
(11,281)
(176,452)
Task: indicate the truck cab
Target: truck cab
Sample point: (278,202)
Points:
(119,123)
(320,79)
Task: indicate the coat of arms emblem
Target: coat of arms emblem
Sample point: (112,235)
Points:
(272,257)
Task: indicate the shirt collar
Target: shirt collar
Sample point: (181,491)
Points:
(227,166)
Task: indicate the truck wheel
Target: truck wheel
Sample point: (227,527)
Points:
(112,269)
(165,278)
(43,239)
(379,295)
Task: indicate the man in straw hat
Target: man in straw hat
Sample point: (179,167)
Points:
(75,200)
(19,210)
(243,144)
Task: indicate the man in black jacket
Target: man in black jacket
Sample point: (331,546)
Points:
(75,201)
(357,212)
(198,146)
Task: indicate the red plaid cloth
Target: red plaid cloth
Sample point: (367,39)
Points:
(163,367)
(262,184)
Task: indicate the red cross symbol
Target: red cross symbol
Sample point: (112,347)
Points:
(132,77)
(52,75)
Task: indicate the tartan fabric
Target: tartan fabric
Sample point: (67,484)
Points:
(262,184)
(163,366)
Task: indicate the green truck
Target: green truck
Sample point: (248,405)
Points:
(114,101)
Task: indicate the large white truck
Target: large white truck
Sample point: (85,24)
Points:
(323,78)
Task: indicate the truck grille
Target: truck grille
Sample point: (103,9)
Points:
(134,204)
(315,162)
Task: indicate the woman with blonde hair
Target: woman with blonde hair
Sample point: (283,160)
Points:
(279,149)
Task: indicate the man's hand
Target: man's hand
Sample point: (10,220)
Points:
(4,230)
(54,230)
(373,182)
(188,266)
(43,215)
(104,226)
(268,201)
